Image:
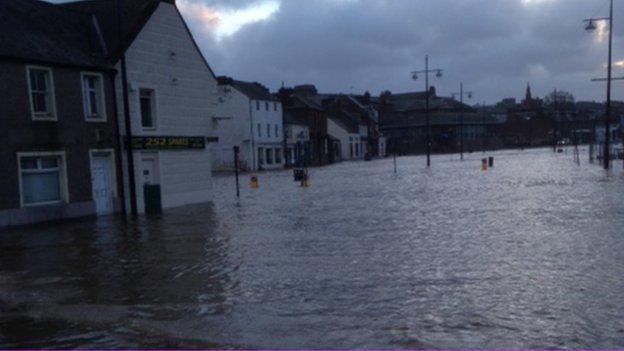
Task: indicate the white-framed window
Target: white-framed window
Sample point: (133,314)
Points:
(147,104)
(277,131)
(257,105)
(41,91)
(278,155)
(259,130)
(261,155)
(42,178)
(266,105)
(93,97)
(269,156)
(274,106)
(268,130)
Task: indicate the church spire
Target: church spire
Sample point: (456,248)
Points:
(528,97)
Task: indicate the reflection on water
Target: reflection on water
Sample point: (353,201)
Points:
(529,254)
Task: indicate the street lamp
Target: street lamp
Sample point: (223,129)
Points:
(591,26)
(438,74)
(461,116)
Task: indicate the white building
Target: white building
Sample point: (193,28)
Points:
(171,99)
(251,118)
(297,135)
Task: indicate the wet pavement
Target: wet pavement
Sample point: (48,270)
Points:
(527,255)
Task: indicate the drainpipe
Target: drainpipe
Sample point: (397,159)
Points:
(126,107)
(119,166)
(253,140)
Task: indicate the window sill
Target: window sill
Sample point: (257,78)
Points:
(95,119)
(39,204)
(44,118)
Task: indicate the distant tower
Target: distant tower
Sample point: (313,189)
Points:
(528,97)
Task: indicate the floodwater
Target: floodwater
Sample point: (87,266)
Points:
(527,255)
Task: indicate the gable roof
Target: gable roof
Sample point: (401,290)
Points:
(134,15)
(253,90)
(38,31)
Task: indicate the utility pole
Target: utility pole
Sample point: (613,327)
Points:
(426,71)
(461,117)
(591,26)
(555,115)
(126,111)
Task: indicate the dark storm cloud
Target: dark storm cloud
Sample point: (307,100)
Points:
(494,46)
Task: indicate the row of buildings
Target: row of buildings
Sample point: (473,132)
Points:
(294,126)
(532,122)
(104,101)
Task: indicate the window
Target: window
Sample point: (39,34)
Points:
(275,106)
(41,88)
(41,179)
(259,130)
(258,105)
(266,105)
(278,155)
(276,131)
(93,97)
(268,130)
(357,150)
(261,155)
(269,156)
(148,118)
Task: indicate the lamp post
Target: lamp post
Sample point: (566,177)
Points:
(415,74)
(461,117)
(591,26)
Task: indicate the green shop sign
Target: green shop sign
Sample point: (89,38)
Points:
(167,143)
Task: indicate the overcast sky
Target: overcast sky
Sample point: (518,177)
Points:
(494,46)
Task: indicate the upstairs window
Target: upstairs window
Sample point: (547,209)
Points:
(259,130)
(275,106)
(147,102)
(41,88)
(93,97)
(268,130)
(258,105)
(276,131)
(266,106)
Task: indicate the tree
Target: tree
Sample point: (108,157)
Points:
(563,99)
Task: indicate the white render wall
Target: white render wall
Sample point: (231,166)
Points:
(271,117)
(346,138)
(164,58)
(233,127)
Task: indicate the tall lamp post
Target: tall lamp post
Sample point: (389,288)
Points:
(461,116)
(591,26)
(415,74)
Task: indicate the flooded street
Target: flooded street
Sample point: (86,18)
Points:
(527,255)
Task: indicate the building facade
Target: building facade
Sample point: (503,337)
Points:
(171,99)
(251,118)
(60,153)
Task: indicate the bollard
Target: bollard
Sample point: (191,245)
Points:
(484,164)
(491,161)
(305,180)
(254,182)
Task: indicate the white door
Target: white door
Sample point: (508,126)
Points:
(102,183)
(149,170)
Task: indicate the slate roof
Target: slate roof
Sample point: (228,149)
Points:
(135,14)
(345,120)
(253,90)
(301,102)
(39,31)
(417,101)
